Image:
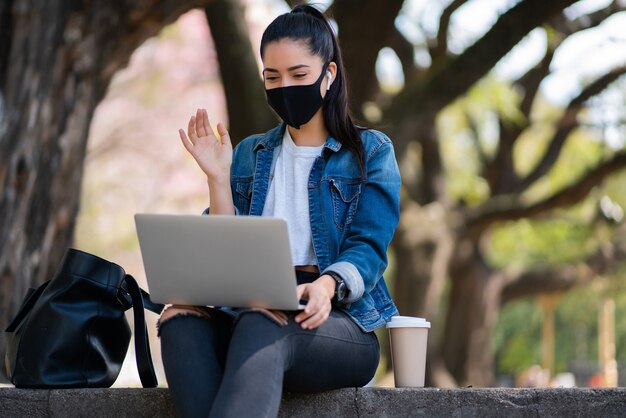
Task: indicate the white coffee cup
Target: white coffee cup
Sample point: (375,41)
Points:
(408,337)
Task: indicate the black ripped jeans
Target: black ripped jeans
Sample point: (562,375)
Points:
(222,366)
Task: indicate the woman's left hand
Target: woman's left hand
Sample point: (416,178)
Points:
(318,295)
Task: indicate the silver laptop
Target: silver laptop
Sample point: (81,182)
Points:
(218,260)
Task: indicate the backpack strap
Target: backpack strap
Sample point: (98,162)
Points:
(157,308)
(142,345)
(123,295)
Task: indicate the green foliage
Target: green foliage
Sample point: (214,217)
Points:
(169,32)
(469,133)
(528,243)
(576,326)
(469,128)
(516,337)
(614,188)
(580,153)
(567,235)
(534,140)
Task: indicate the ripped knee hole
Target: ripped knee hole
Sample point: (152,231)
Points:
(174,311)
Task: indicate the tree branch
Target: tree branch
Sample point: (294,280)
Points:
(142,20)
(441,48)
(588,21)
(509,208)
(531,81)
(475,136)
(500,171)
(565,28)
(450,77)
(412,113)
(531,283)
(565,126)
(404,50)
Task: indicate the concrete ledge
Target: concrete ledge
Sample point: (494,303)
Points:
(351,402)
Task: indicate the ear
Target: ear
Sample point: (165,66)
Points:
(331,73)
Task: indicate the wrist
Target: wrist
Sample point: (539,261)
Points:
(221,180)
(341,291)
(328,283)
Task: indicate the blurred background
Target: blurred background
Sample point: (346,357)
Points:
(509,123)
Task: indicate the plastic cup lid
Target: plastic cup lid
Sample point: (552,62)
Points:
(407,322)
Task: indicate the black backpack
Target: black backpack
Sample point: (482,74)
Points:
(71,332)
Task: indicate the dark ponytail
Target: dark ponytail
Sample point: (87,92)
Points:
(306,23)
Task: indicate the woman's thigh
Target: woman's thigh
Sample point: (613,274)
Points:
(337,354)
(218,327)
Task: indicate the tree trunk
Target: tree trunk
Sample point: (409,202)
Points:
(418,291)
(412,275)
(248,112)
(360,47)
(472,312)
(423,245)
(56,60)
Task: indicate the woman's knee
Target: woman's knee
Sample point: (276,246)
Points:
(255,328)
(256,320)
(257,339)
(181,311)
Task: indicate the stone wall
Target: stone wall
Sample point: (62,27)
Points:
(351,402)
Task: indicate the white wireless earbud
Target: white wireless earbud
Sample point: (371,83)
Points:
(330,81)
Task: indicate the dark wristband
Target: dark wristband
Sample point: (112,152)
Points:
(341,290)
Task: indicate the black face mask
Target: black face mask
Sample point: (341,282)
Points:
(296,105)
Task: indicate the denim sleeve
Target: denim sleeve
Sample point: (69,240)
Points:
(363,253)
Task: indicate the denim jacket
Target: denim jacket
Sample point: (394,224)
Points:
(352,219)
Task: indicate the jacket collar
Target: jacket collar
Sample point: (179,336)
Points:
(274,137)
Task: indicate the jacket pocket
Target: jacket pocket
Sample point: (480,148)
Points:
(243,195)
(345,198)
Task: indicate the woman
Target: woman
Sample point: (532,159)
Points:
(337,185)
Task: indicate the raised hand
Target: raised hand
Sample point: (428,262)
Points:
(213,155)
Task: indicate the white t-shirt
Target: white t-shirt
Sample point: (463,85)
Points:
(288,196)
